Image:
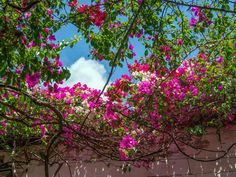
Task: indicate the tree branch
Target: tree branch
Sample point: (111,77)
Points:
(201,7)
(24,9)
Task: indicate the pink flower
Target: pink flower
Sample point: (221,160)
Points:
(202,17)
(180,42)
(50,127)
(165,48)
(181,96)
(42,45)
(45,84)
(194,90)
(82,8)
(43,130)
(131,47)
(19,69)
(123,156)
(27,15)
(31,44)
(23,38)
(180,71)
(231,117)
(46,30)
(193,22)
(140,1)
(73,3)
(220,59)
(128,142)
(58,62)
(220,87)
(68,101)
(100,17)
(54,46)
(49,12)
(168,57)
(201,55)
(155,37)
(33,79)
(149,37)
(145,87)
(2,132)
(4,124)
(52,38)
(196,10)
(139,34)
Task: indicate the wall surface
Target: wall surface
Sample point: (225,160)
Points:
(177,165)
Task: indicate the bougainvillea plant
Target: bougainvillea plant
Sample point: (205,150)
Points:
(184,83)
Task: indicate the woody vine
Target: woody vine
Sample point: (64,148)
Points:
(183,84)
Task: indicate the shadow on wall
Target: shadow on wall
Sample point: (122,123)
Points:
(225,167)
(175,165)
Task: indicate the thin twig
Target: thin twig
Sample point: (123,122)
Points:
(201,7)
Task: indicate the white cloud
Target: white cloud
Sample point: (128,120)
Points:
(88,72)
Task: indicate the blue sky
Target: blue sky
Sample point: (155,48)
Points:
(77,60)
(69,56)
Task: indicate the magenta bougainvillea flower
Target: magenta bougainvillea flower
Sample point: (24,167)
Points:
(180,42)
(33,79)
(73,3)
(196,10)
(220,59)
(96,16)
(131,47)
(220,87)
(128,142)
(193,22)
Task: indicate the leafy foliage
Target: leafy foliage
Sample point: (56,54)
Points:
(184,83)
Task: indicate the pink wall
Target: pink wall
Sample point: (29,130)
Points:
(176,165)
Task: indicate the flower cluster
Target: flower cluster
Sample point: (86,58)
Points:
(126,143)
(93,12)
(202,17)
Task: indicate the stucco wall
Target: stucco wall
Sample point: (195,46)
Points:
(176,165)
